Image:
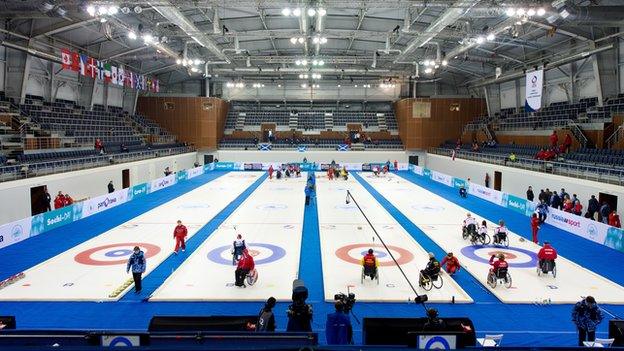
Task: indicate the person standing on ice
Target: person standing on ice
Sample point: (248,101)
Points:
(310,188)
(137,264)
(271,172)
(586,315)
(179,234)
(535,222)
(238,246)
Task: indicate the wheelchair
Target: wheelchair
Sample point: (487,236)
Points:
(502,276)
(252,277)
(372,272)
(503,240)
(548,266)
(469,230)
(428,282)
(483,239)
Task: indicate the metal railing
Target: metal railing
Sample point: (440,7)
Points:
(30,170)
(615,137)
(532,125)
(576,170)
(578,133)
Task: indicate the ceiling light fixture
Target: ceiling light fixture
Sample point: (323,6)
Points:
(541,12)
(286,12)
(491,37)
(132,35)
(311,12)
(296,12)
(322,12)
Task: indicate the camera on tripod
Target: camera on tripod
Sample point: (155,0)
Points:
(299,313)
(346,300)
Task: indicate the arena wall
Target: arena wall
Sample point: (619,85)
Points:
(516,181)
(85,183)
(312,156)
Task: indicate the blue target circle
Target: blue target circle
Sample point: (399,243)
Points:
(277,253)
(118,253)
(378,254)
(469,252)
(437,343)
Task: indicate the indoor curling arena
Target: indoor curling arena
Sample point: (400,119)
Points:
(311,174)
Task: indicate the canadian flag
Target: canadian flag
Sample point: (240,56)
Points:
(66,58)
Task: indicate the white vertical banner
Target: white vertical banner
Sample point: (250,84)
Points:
(534,85)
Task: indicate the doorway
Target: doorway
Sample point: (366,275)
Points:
(38,201)
(208,159)
(498,180)
(608,198)
(413,160)
(125,178)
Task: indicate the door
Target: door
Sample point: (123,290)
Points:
(498,180)
(38,201)
(608,198)
(125,178)
(413,160)
(208,159)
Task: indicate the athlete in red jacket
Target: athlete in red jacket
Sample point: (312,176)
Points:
(496,265)
(546,253)
(535,226)
(271,172)
(554,139)
(451,262)
(245,265)
(59,201)
(179,233)
(370,263)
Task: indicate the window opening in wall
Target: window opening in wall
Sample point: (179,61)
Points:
(169,106)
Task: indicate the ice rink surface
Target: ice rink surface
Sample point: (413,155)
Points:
(346,236)
(441,220)
(94,269)
(270,220)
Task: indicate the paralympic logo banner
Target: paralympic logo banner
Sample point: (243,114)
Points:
(459,183)
(442,178)
(515,203)
(103,202)
(488,194)
(180,176)
(138,191)
(14,232)
(533,90)
(162,183)
(224,166)
(194,172)
(209,167)
(416,169)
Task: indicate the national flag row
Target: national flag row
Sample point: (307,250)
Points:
(96,69)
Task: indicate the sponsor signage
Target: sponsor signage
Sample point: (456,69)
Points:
(252,166)
(104,202)
(194,172)
(162,183)
(442,178)
(58,218)
(516,204)
(14,232)
(181,175)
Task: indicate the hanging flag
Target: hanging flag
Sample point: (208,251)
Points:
(121,79)
(66,58)
(107,73)
(156,86)
(143,82)
(534,84)
(113,74)
(75,64)
(149,84)
(100,70)
(131,79)
(83,64)
(343,147)
(92,68)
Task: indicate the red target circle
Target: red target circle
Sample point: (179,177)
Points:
(85,256)
(343,254)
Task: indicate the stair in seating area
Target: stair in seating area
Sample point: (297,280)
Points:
(240,122)
(357,147)
(381,121)
(329,121)
(293,121)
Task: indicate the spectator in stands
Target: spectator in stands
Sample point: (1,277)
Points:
(111,188)
(98,145)
(196,164)
(554,139)
(458,144)
(512,158)
(614,219)
(338,329)
(475,147)
(541,155)
(167,171)
(529,194)
(68,200)
(47,199)
(550,155)
(605,210)
(487,180)
(59,200)
(567,143)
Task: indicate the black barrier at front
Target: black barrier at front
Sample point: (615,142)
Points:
(403,331)
(616,331)
(201,323)
(95,340)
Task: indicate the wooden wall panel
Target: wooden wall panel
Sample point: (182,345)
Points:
(444,124)
(188,119)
